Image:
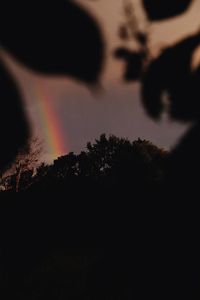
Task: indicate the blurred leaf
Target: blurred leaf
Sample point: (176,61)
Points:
(171,72)
(152,88)
(13,124)
(158,10)
(134,63)
(51,36)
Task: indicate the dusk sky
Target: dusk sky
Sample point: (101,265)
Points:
(66,115)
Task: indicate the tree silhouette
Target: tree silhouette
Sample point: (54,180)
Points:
(26,162)
(108,162)
(20,174)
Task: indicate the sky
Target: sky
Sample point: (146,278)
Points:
(66,114)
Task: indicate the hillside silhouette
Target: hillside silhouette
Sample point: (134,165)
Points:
(71,215)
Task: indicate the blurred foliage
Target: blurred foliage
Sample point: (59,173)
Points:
(54,38)
(159,10)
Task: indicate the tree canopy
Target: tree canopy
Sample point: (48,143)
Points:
(109,160)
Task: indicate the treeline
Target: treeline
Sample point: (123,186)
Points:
(108,161)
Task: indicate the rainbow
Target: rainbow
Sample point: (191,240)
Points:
(49,122)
